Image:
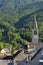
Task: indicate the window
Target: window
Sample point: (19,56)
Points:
(35,32)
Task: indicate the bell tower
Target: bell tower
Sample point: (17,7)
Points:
(35,31)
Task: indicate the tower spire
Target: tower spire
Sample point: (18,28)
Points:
(35,23)
(35,31)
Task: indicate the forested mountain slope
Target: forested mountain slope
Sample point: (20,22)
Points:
(16,20)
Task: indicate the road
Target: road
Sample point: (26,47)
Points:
(35,61)
(6,62)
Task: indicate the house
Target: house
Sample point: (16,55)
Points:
(5,51)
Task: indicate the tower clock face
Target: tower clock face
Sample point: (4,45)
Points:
(35,32)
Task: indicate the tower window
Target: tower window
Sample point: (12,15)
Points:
(35,32)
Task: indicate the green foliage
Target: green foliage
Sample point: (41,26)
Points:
(0,34)
(4,45)
(21,12)
(14,46)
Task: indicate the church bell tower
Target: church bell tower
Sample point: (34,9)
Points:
(35,31)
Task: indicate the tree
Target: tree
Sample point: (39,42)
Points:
(14,46)
(10,36)
(0,34)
